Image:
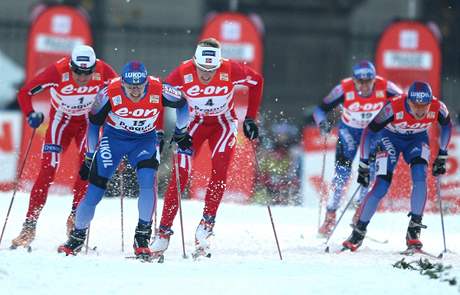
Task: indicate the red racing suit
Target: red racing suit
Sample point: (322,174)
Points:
(70,104)
(213,119)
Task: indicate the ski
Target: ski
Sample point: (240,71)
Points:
(413,251)
(200,253)
(148,258)
(378,241)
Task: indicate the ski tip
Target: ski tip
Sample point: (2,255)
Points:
(29,249)
(13,247)
(327,249)
(441,255)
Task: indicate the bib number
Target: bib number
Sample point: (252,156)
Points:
(381,163)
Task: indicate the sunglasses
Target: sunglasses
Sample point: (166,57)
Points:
(81,71)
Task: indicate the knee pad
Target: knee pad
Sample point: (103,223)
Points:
(418,160)
(95,179)
(149,163)
(387,177)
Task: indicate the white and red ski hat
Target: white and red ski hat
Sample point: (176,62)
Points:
(207,58)
(83,59)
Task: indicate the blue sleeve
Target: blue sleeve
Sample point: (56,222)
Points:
(333,99)
(393,89)
(182,116)
(446,127)
(366,138)
(172,97)
(100,108)
(92,137)
(384,117)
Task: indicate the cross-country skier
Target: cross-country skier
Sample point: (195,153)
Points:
(207,82)
(362,96)
(402,125)
(128,109)
(73,83)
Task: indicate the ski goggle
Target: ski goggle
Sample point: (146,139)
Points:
(207,59)
(82,71)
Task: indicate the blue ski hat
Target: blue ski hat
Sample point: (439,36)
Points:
(420,92)
(134,73)
(364,70)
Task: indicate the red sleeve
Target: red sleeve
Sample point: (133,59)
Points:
(174,78)
(243,74)
(160,122)
(108,72)
(47,78)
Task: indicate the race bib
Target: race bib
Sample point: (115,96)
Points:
(381,163)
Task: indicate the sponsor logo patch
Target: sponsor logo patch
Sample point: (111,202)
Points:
(224,76)
(188,78)
(117,100)
(349,96)
(154,98)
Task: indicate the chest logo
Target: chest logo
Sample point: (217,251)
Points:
(208,90)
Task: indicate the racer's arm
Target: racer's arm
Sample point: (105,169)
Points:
(333,99)
(49,77)
(383,118)
(393,89)
(97,116)
(245,75)
(445,122)
(173,98)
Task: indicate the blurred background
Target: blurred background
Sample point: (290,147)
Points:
(308,47)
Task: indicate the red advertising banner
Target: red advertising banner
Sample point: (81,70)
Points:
(241,40)
(409,51)
(52,35)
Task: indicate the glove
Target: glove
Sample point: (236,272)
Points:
(160,140)
(363,173)
(182,138)
(325,127)
(439,164)
(250,129)
(85,166)
(35,119)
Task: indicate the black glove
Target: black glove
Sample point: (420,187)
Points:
(35,119)
(182,138)
(439,164)
(250,129)
(86,166)
(363,173)
(325,127)
(160,140)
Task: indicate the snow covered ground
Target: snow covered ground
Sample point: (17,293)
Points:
(244,261)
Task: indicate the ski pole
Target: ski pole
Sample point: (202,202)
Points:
(121,213)
(340,217)
(438,191)
(268,205)
(179,198)
(321,184)
(16,184)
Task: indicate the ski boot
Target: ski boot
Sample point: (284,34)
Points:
(202,234)
(26,236)
(413,232)
(141,241)
(329,223)
(75,242)
(70,223)
(356,238)
(161,241)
